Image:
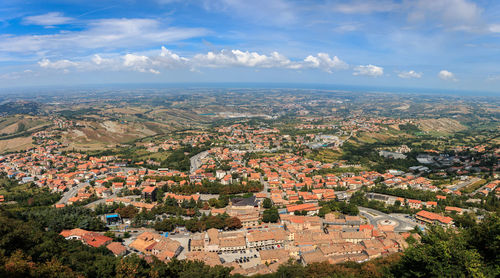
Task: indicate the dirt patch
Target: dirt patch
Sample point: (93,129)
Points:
(15,144)
(9,129)
(443,125)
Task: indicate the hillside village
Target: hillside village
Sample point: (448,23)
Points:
(248,201)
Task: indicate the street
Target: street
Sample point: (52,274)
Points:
(71,193)
(375,217)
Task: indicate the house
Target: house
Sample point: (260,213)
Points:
(266,238)
(96,240)
(149,193)
(301,222)
(73,233)
(312,257)
(165,249)
(157,245)
(431,204)
(209,258)
(311,208)
(117,248)
(454,209)
(433,218)
(211,240)
(414,204)
(232,241)
(273,255)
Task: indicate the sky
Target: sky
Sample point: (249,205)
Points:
(437,44)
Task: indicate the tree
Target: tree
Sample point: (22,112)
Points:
(443,254)
(351,209)
(270,215)
(232,223)
(267,203)
(323,211)
(128,211)
(165,225)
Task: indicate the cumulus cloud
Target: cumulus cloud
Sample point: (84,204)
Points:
(324,62)
(166,59)
(410,74)
(368,70)
(48,19)
(238,58)
(447,76)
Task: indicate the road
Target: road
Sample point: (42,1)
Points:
(375,217)
(196,161)
(71,193)
(464,184)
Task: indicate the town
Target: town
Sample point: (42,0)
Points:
(252,197)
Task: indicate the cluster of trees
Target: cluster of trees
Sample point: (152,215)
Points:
(68,217)
(26,194)
(221,221)
(367,154)
(470,252)
(270,215)
(208,187)
(490,203)
(345,208)
(179,159)
(27,250)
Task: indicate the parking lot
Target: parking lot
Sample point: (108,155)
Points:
(240,257)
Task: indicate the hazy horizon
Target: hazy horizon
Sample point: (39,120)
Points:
(435,45)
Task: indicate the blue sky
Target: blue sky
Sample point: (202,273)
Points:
(441,44)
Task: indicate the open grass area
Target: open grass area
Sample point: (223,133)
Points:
(325,155)
(471,188)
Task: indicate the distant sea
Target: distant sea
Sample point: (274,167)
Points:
(216,85)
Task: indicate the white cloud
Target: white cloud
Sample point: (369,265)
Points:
(108,34)
(58,65)
(447,76)
(368,70)
(324,62)
(137,62)
(450,12)
(48,19)
(410,74)
(238,58)
(97,59)
(166,59)
(494,28)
